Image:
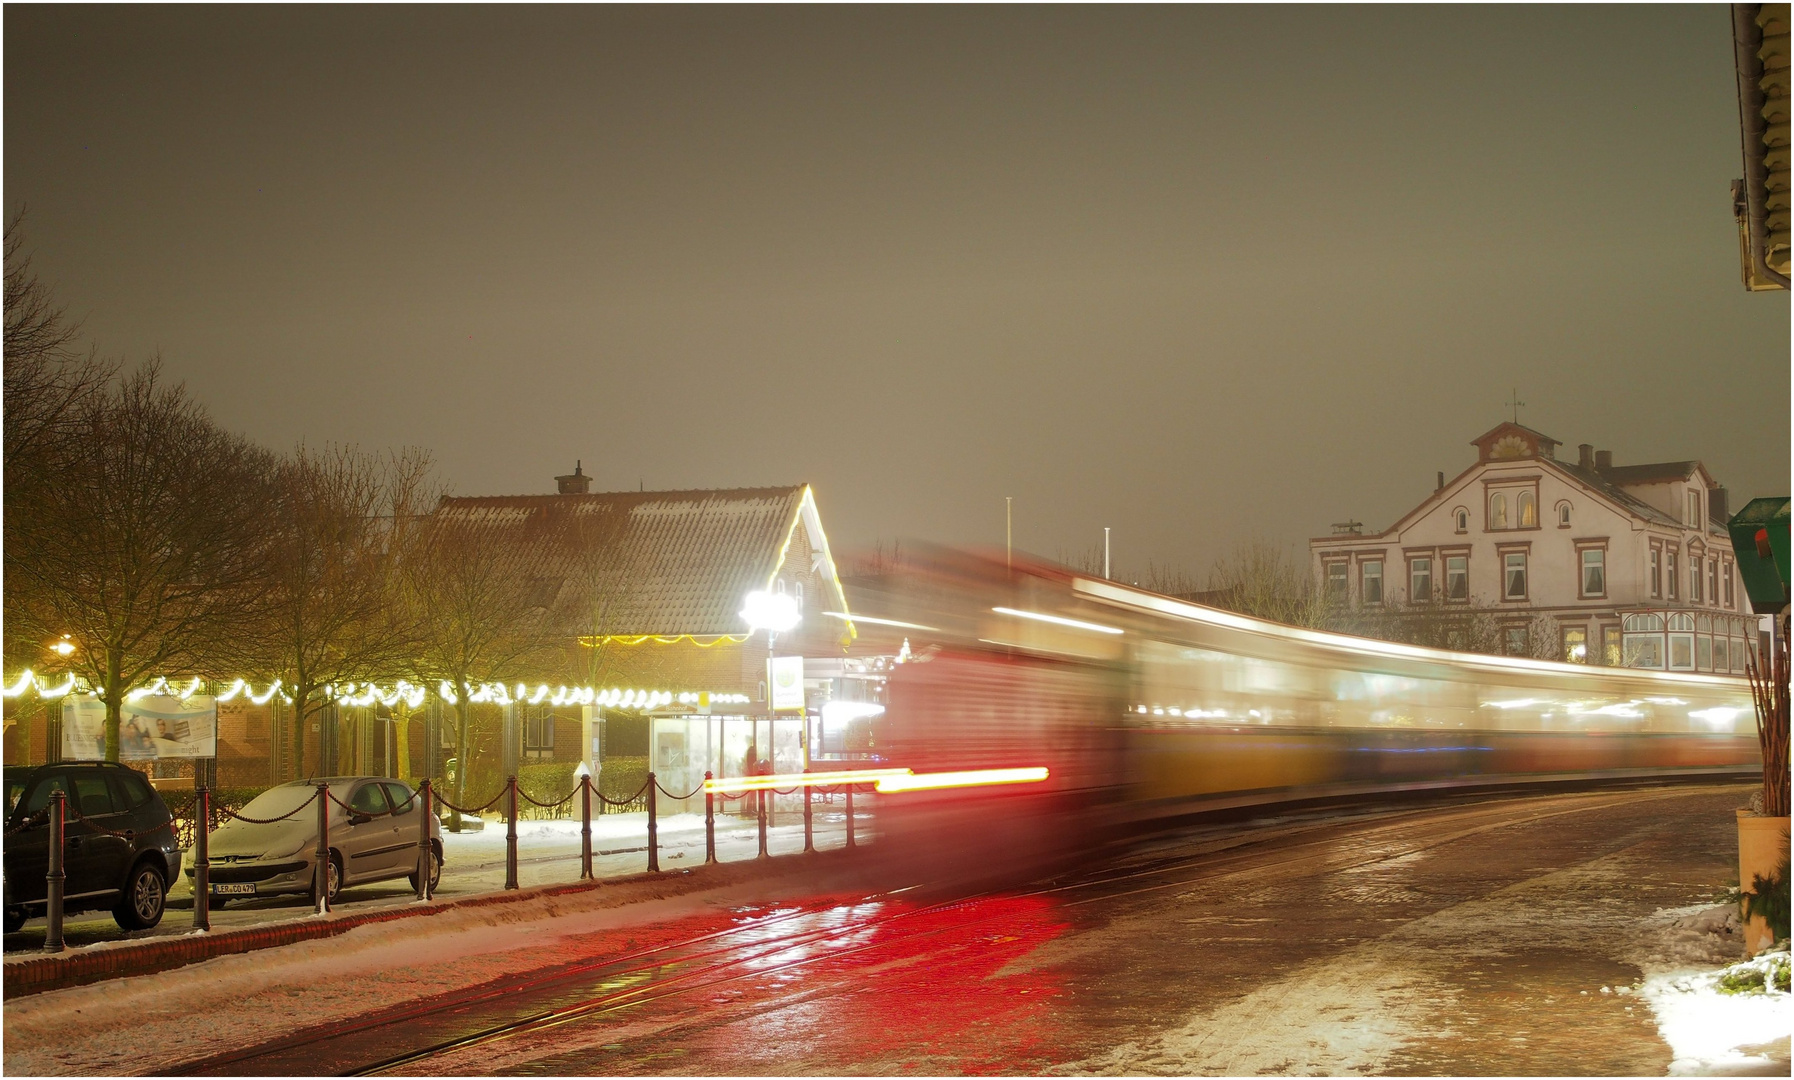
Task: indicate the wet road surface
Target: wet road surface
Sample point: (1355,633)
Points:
(1467,939)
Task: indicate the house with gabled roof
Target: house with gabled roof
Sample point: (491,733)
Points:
(1631,563)
(646,590)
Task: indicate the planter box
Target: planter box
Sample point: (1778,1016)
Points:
(1762,848)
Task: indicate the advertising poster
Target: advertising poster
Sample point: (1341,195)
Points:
(787,682)
(158,726)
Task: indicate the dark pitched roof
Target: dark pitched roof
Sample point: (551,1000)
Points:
(1600,481)
(1648,474)
(654,562)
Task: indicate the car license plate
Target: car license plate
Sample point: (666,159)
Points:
(245,889)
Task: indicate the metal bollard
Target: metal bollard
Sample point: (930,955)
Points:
(585,829)
(850,815)
(320,878)
(425,869)
(762,798)
(709,820)
(653,829)
(511,833)
(56,876)
(809,837)
(202,858)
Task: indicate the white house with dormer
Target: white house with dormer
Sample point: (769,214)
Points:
(1632,561)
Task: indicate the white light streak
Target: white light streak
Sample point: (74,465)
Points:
(1059,620)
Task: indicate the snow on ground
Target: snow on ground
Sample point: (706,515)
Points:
(1711,1033)
(151,1022)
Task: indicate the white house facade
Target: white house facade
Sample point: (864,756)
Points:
(1633,561)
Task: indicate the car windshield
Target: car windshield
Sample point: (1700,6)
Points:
(278,801)
(15,786)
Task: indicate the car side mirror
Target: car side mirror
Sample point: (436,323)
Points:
(356,817)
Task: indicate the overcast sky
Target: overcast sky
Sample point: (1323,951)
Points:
(1196,274)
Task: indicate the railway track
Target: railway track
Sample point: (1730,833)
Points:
(906,923)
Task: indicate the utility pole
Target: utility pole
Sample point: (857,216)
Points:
(1008,532)
(1105,553)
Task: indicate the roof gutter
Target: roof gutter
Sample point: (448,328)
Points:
(1746,41)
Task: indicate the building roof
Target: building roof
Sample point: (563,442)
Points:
(1650,474)
(1599,481)
(649,562)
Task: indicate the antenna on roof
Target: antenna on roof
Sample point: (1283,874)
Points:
(1515,403)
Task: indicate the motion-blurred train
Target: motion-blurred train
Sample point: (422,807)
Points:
(1141,706)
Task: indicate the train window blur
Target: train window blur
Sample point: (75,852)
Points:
(1576,644)
(1457,577)
(1498,511)
(1420,580)
(1372,585)
(1594,572)
(1514,579)
(1529,510)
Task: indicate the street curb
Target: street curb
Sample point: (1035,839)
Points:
(43,974)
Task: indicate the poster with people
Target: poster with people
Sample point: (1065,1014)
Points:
(152,727)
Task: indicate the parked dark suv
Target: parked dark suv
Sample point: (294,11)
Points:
(128,872)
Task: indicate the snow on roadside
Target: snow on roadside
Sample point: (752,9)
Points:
(1710,1032)
(151,1022)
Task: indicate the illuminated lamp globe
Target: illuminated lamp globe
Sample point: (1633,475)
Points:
(777,612)
(63,647)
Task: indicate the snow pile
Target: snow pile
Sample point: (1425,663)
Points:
(1712,1018)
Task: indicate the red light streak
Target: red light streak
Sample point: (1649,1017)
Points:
(887,781)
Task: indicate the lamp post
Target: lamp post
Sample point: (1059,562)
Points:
(776,613)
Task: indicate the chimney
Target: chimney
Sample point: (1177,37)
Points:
(576,483)
(1603,460)
(1585,456)
(1441,485)
(1716,504)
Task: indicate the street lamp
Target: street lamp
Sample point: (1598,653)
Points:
(770,611)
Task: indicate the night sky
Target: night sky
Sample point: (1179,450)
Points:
(1197,274)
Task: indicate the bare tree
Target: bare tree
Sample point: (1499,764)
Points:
(146,542)
(46,382)
(476,617)
(1260,578)
(341,523)
(1459,625)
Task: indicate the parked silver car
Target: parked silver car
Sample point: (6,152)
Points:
(375,839)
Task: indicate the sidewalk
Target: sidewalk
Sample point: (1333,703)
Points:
(473,872)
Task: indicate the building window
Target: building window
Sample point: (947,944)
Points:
(1681,642)
(1576,644)
(1514,640)
(1563,515)
(1671,572)
(1457,577)
(1694,578)
(1694,509)
(538,732)
(1462,519)
(1720,661)
(1594,572)
(1336,582)
(1372,584)
(1656,573)
(1420,580)
(1610,645)
(1713,578)
(1498,511)
(1514,576)
(1644,641)
(1529,510)
(1728,586)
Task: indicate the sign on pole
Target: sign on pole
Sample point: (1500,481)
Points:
(786,677)
(157,726)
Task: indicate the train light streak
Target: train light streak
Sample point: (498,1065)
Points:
(972,778)
(1059,620)
(844,617)
(732,784)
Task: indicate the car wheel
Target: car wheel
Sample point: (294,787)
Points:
(145,895)
(435,872)
(333,884)
(15,918)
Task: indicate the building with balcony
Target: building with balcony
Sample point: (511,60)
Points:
(1631,562)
